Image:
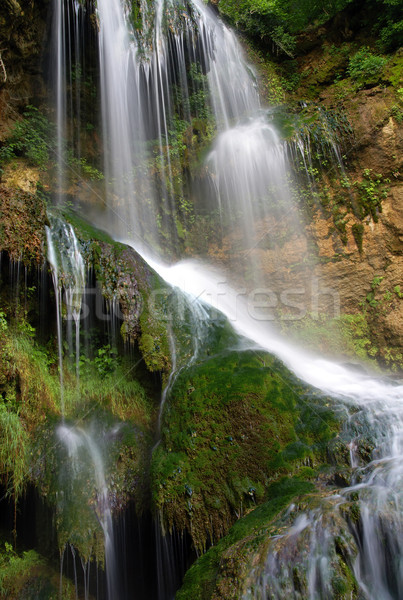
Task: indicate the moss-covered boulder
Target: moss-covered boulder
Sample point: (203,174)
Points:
(233,424)
(307,546)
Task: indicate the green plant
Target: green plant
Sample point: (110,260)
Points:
(278,20)
(398,292)
(376,282)
(392,357)
(389,24)
(397,113)
(30,138)
(13,568)
(106,360)
(13,450)
(365,68)
(3,321)
(372,190)
(283,40)
(82,165)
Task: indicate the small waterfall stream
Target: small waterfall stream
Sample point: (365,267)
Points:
(68,272)
(86,459)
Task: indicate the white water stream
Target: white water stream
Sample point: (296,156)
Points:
(380,483)
(68,272)
(86,454)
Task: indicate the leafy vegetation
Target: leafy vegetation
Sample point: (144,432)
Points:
(372,190)
(14,444)
(22,228)
(30,137)
(110,389)
(279,21)
(14,567)
(389,23)
(81,166)
(27,575)
(365,68)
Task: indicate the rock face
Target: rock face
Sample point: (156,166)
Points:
(22,228)
(22,30)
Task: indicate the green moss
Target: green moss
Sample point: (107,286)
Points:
(87,232)
(348,335)
(357,229)
(154,323)
(231,425)
(28,575)
(199,581)
(25,375)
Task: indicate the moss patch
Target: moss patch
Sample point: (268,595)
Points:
(232,425)
(200,580)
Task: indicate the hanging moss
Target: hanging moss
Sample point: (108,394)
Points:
(357,229)
(200,579)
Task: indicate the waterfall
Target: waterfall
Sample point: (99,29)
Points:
(85,479)
(193,51)
(247,182)
(378,484)
(68,272)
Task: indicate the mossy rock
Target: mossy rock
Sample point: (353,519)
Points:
(233,424)
(29,576)
(270,553)
(200,580)
(142,295)
(23,217)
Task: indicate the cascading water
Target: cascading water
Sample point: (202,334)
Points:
(247,170)
(376,562)
(68,272)
(85,476)
(194,52)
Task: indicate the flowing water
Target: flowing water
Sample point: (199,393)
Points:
(376,409)
(86,478)
(193,51)
(69,274)
(249,183)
